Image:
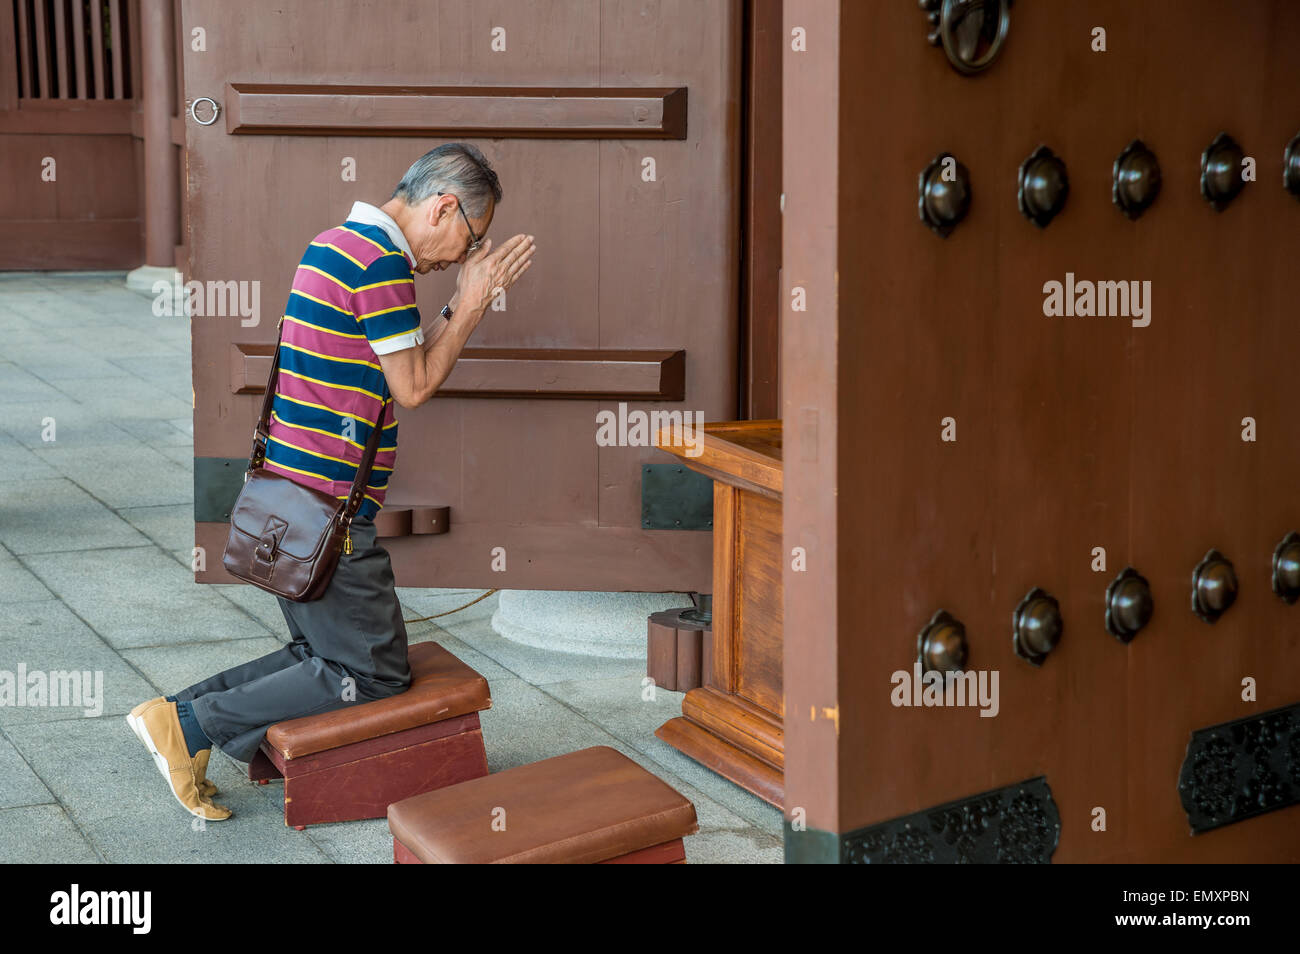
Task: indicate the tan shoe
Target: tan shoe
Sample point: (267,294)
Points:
(133,717)
(201,782)
(160,730)
(204,786)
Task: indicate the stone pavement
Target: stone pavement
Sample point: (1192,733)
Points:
(96,530)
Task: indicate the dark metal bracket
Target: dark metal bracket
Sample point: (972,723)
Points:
(674,497)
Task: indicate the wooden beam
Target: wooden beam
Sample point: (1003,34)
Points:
(70,117)
(593,374)
(466,111)
(71,244)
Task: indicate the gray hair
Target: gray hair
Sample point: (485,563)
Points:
(455,167)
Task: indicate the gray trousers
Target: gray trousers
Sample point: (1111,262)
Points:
(349,647)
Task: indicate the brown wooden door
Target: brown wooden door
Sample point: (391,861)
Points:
(634,266)
(1072,433)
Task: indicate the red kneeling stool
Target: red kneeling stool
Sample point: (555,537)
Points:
(591,806)
(352,763)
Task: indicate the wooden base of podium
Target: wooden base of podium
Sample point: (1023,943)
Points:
(719,755)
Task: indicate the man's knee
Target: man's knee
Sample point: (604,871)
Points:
(375,689)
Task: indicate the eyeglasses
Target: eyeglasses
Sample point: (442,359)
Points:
(474,241)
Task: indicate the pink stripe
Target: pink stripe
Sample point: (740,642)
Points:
(339,401)
(322,342)
(359,248)
(387,296)
(328,444)
(318,286)
(333,487)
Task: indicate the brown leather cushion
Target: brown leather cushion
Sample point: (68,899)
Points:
(442,687)
(584,807)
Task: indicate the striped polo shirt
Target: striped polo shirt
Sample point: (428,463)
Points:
(353,298)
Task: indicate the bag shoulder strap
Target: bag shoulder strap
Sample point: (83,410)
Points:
(262,433)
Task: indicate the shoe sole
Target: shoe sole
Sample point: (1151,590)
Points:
(142,733)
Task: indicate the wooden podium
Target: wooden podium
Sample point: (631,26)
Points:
(733,723)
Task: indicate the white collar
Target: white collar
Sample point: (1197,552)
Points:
(372,215)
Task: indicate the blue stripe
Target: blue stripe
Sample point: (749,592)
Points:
(335,372)
(331,469)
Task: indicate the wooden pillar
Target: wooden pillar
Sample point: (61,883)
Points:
(161,186)
(809,386)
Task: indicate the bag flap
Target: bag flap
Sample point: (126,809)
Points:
(301,517)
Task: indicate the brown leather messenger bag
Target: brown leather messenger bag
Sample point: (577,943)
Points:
(285,537)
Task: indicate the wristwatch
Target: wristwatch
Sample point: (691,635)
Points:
(446,311)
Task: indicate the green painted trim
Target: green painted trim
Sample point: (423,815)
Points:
(812,846)
(217,483)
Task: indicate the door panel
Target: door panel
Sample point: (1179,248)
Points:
(625,260)
(1072,432)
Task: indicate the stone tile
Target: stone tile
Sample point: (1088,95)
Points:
(173,668)
(171,526)
(140,597)
(18,464)
(74,426)
(259,604)
(367,841)
(617,705)
(43,516)
(538,666)
(123,475)
(745,847)
(18,783)
(61,364)
(170,373)
(16,584)
(156,433)
(19,385)
(127,396)
(422,601)
(46,636)
(112,790)
(182,456)
(42,834)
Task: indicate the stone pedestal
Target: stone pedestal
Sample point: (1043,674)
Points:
(592,624)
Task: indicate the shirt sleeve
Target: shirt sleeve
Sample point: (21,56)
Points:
(384,305)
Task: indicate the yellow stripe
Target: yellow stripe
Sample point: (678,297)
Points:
(330,357)
(312,452)
(385,311)
(395,281)
(321,301)
(317,430)
(284,397)
(334,279)
(340,251)
(350,232)
(328,384)
(305,473)
(328,331)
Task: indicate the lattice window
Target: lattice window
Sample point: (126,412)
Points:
(72,49)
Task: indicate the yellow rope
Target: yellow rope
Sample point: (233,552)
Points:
(450,611)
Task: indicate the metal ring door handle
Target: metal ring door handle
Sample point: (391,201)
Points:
(216,110)
(963,27)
